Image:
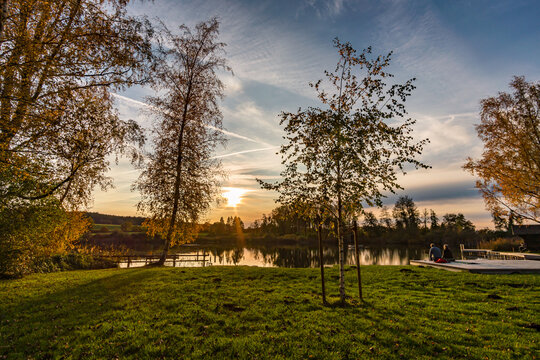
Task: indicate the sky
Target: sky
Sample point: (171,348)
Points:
(459,51)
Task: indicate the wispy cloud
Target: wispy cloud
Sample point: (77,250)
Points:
(245,152)
(228,133)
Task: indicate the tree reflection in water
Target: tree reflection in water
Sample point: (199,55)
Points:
(299,257)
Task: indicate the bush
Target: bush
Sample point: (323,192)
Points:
(32,231)
(73,261)
(502,244)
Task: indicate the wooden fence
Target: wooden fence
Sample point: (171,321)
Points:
(494,255)
(203,258)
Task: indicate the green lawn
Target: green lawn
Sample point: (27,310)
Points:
(244,312)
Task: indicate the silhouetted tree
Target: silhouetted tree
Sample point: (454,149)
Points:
(433,219)
(457,223)
(406,214)
(386,220)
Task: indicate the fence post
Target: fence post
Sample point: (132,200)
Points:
(461,247)
(203,258)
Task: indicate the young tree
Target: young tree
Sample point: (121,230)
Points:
(509,169)
(181,180)
(347,154)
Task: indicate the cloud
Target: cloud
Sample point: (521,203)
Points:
(141,104)
(323,8)
(245,152)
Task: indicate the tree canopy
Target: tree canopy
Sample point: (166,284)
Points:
(180,181)
(59,60)
(509,168)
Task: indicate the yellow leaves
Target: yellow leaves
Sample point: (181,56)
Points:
(510,164)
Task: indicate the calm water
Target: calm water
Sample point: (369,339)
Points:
(294,257)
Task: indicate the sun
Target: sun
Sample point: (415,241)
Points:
(233,196)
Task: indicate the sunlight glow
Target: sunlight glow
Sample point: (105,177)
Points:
(233,195)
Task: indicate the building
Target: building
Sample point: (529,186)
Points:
(530,234)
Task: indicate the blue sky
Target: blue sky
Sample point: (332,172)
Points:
(459,51)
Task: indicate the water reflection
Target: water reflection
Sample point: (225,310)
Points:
(298,257)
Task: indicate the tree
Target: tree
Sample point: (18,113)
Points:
(457,223)
(370,223)
(386,220)
(347,154)
(433,219)
(180,181)
(59,61)
(425,217)
(127,226)
(406,214)
(509,169)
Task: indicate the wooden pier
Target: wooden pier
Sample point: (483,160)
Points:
(202,258)
(486,266)
(495,255)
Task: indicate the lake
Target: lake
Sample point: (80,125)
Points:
(294,256)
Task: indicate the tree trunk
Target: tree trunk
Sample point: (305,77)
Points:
(321,262)
(176,198)
(355,232)
(341,253)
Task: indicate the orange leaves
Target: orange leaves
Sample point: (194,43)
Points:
(509,168)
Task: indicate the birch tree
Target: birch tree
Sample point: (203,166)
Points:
(181,180)
(348,153)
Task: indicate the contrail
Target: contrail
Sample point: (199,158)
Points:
(229,133)
(244,152)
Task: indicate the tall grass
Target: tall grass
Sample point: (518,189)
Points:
(502,244)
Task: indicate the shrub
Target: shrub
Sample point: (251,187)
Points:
(73,261)
(32,231)
(502,244)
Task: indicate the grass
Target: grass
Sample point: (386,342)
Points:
(245,312)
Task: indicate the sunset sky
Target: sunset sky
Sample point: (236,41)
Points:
(459,51)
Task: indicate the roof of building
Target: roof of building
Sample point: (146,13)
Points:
(526,229)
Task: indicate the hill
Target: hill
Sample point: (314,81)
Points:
(114,219)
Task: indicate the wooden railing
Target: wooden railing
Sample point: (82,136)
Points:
(494,255)
(203,258)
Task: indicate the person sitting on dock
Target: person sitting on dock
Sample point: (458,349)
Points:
(447,254)
(434,252)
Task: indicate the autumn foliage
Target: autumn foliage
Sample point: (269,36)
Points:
(509,168)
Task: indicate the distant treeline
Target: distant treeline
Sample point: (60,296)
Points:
(403,224)
(98,218)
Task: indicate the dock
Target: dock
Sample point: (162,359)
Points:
(486,266)
(183,259)
(495,255)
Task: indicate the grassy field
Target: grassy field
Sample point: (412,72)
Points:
(243,312)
